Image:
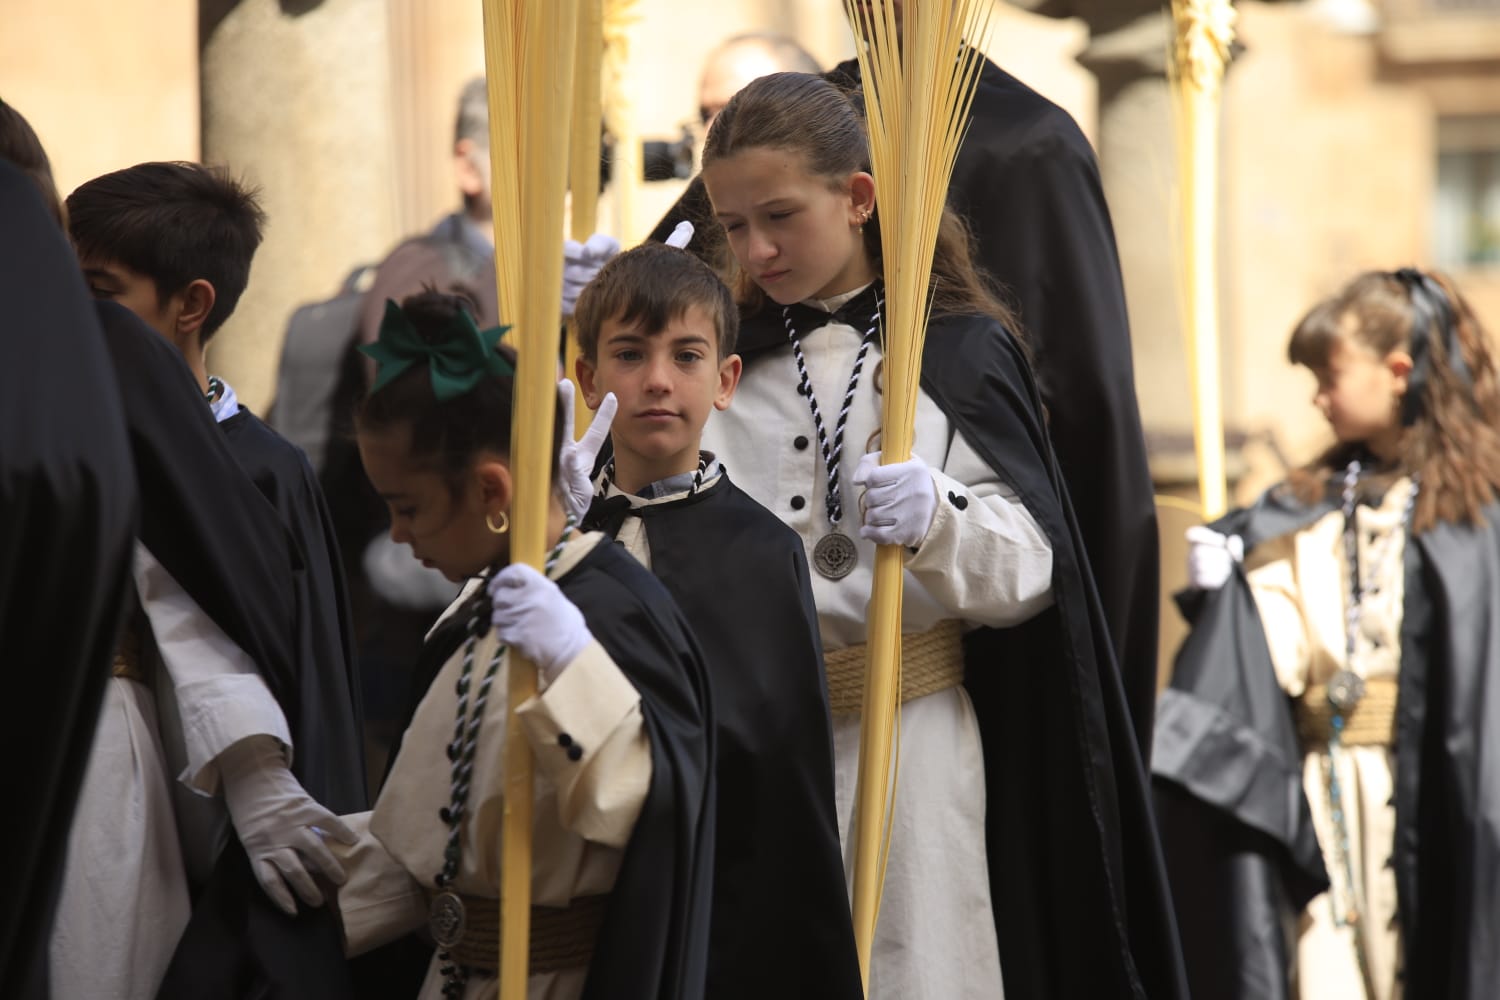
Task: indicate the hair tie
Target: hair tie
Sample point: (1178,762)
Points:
(1431,311)
(460,358)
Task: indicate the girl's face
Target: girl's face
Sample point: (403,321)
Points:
(444,526)
(1359,392)
(796,235)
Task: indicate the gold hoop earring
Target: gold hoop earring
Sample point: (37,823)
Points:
(489,522)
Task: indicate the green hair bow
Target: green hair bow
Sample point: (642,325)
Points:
(463,356)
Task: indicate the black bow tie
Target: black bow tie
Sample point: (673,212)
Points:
(607,514)
(857,312)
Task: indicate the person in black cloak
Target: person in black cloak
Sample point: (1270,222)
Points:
(1021,815)
(622,726)
(656,333)
(68,489)
(1027,184)
(1325,764)
(172,242)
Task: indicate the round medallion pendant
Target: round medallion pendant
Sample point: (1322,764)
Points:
(1345,690)
(834,556)
(446,919)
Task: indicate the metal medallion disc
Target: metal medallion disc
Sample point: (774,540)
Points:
(1345,690)
(446,919)
(834,556)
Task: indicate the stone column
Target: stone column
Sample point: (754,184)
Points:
(296,98)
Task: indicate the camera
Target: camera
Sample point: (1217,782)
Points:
(661,159)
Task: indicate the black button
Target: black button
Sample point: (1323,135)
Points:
(575,752)
(799,442)
(564,740)
(960,502)
(801,389)
(798,503)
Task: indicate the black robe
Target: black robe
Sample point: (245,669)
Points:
(781,924)
(1027,183)
(217,535)
(67,490)
(1244,859)
(325,648)
(653,944)
(1076,875)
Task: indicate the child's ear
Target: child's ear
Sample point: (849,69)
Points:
(1399,364)
(197,302)
(729,379)
(583,372)
(861,196)
(495,484)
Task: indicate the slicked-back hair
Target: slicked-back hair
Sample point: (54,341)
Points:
(652,285)
(175,223)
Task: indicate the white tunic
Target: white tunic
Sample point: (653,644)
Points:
(584,814)
(124,901)
(987,564)
(1300,582)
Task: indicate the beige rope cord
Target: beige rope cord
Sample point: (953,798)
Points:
(562,937)
(931,661)
(1372,723)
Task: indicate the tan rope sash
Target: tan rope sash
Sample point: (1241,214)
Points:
(562,937)
(1372,723)
(931,661)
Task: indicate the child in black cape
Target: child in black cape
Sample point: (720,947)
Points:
(656,331)
(621,728)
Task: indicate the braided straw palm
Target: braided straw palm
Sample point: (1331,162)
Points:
(919,84)
(529,49)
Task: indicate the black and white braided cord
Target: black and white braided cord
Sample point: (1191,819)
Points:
(833,452)
(461,752)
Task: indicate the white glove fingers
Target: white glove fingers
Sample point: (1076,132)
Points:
(313,849)
(269,877)
(601,246)
(289,863)
(572,250)
(593,438)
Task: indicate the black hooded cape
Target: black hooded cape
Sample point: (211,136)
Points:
(1227,767)
(219,537)
(1027,183)
(1076,874)
(325,646)
(781,924)
(654,941)
(67,490)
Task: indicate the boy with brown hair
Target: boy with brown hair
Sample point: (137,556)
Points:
(656,329)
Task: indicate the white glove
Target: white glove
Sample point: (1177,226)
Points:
(575,459)
(1211,556)
(581,261)
(279,824)
(532,617)
(900,500)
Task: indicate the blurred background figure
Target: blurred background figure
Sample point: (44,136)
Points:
(743,58)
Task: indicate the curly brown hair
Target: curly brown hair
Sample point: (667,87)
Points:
(1453,438)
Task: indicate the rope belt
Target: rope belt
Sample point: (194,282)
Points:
(127,661)
(562,937)
(931,661)
(1371,723)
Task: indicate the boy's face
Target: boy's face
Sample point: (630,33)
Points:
(114,282)
(667,382)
